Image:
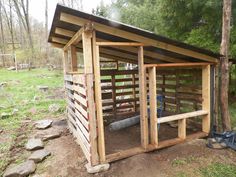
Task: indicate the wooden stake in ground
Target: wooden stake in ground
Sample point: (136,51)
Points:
(224,50)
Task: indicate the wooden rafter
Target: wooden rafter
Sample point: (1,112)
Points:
(135,37)
(159,56)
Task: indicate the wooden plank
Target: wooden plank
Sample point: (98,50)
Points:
(124,154)
(92,120)
(81,110)
(79,89)
(98,100)
(87,52)
(159,56)
(81,99)
(182,65)
(82,119)
(206,98)
(153,106)
(79,79)
(182,128)
(69,86)
(118,44)
(183,116)
(70,103)
(75,39)
(68,77)
(135,37)
(73,58)
(118,72)
(143,99)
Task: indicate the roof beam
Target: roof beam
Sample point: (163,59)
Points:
(134,37)
(75,39)
(159,56)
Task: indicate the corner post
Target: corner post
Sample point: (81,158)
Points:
(206,96)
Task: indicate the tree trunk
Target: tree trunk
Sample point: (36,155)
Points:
(2,36)
(46,31)
(224,50)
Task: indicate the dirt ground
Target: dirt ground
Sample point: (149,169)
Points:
(67,160)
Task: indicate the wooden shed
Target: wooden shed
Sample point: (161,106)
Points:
(114,71)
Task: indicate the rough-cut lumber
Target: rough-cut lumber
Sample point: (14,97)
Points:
(153,105)
(135,37)
(119,44)
(182,65)
(183,116)
(182,128)
(73,58)
(98,100)
(143,99)
(75,39)
(206,95)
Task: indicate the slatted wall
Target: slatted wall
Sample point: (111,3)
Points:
(180,88)
(119,92)
(77,110)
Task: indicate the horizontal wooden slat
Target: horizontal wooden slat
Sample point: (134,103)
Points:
(81,99)
(69,86)
(68,77)
(83,120)
(79,79)
(182,116)
(118,72)
(81,110)
(80,89)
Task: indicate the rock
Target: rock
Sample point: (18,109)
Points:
(21,170)
(97,168)
(51,135)
(43,88)
(54,108)
(43,124)
(34,144)
(39,155)
(5,115)
(60,123)
(2,84)
(215,144)
(14,111)
(11,68)
(36,98)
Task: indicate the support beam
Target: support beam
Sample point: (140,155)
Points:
(153,106)
(119,44)
(75,39)
(135,37)
(98,99)
(182,128)
(73,58)
(174,65)
(143,99)
(147,53)
(87,51)
(206,98)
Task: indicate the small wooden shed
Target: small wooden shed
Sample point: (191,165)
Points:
(114,71)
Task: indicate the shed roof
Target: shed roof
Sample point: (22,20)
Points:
(68,21)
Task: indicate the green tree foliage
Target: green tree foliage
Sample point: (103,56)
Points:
(191,21)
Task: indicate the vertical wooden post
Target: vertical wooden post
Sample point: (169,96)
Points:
(88,70)
(153,106)
(143,99)
(98,100)
(134,93)
(216,108)
(182,128)
(65,61)
(73,58)
(206,98)
(113,83)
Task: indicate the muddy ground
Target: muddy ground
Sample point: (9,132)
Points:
(67,159)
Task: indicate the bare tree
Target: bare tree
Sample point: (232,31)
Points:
(2,34)
(224,50)
(22,9)
(46,30)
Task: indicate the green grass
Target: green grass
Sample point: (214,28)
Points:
(218,170)
(19,93)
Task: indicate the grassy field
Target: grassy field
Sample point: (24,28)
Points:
(22,101)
